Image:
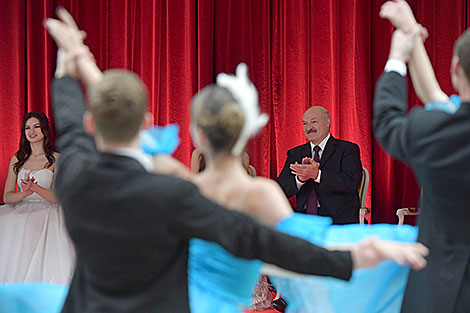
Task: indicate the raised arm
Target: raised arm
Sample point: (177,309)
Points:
(77,60)
(74,61)
(424,80)
(422,75)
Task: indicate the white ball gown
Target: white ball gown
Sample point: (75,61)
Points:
(34,243)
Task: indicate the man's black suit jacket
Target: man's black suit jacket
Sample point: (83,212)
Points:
(131,228)
(341,175)
(436,145)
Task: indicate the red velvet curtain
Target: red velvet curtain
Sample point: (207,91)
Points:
(12,80)
(300,53)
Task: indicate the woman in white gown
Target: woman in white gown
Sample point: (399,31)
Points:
(34,244)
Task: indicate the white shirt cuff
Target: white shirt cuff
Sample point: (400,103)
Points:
(298,182)
(318,177)
(394,65)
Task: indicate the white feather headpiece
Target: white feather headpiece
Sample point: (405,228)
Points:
(246,95)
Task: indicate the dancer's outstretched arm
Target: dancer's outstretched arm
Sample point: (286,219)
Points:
(369,253)
(422,75)
(269,206)
(399,13)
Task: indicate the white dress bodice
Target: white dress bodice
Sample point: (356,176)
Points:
(44,178)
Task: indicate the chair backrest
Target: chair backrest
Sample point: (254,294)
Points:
(198,164)
(363,187)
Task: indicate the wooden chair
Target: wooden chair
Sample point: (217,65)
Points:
(363,211)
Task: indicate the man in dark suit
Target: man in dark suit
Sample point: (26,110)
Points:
(436,145)
(324,174)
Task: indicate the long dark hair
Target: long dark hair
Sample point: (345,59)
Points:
(24,151)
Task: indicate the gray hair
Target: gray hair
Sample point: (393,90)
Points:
(325,112)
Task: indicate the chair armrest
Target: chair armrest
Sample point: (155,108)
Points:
(362,213)
(406,211)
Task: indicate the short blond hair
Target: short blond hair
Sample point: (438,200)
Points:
(118,104)
(462,50)
(220,117)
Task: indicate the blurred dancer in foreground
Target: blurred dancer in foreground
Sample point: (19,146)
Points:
(436,145)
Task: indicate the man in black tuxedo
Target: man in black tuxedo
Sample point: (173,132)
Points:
(436,145)
(324,174)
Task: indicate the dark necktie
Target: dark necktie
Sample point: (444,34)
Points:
(312,202)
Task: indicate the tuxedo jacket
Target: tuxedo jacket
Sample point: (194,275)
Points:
(436,145)
(131,228)
(341,173)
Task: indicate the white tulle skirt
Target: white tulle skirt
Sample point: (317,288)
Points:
(34,243)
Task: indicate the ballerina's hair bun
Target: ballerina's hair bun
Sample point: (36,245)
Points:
(220,117)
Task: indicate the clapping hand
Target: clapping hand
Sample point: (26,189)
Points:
(307,170)
(28,185)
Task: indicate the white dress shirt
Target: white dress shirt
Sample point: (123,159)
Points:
(136,154)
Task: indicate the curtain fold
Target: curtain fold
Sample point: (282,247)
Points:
(300,53)
(12,81)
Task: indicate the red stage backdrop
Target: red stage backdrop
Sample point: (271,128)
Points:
(300,53)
